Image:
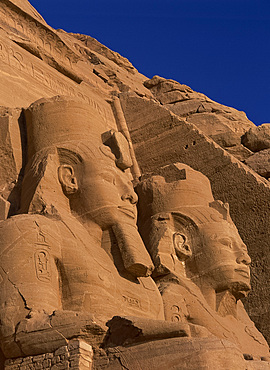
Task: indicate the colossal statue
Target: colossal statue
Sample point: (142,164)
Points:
(75,246)
(74,264)
(201,263)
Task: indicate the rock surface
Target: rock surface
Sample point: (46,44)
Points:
(240,152)
(224,124)
(257,138)
(260,162)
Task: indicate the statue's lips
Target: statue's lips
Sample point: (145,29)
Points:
(243,272)
(128,211)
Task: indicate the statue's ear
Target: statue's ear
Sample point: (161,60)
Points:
(182,248)
(67,179)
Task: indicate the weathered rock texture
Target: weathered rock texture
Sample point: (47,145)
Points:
(223,124)
(260,162)
(133,125)
(257,138)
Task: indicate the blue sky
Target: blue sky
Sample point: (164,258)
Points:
(217,47)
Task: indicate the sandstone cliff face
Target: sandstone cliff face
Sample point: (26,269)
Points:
(211,117)
(168,122)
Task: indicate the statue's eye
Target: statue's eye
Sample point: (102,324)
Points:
(108,177)
(227,242)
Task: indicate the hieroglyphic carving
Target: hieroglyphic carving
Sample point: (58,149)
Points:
(37,32)
(10,55)
(42,264)
(132,301)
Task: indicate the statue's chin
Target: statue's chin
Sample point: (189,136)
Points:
(238,289)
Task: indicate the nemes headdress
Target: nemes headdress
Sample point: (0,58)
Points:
(177,188)
(60,120)
(65,125)
(174,198)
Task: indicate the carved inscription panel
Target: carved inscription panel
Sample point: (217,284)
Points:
(38,33)
(47,80)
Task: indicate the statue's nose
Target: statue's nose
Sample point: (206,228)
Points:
(131,196)
(243,257)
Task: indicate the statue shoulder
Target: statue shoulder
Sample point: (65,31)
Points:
(32,228)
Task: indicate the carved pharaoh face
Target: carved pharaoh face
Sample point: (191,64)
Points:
(222,259)
(100,191)
(106,193)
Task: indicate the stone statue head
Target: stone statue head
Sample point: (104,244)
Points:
(191,235)
(89,161)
